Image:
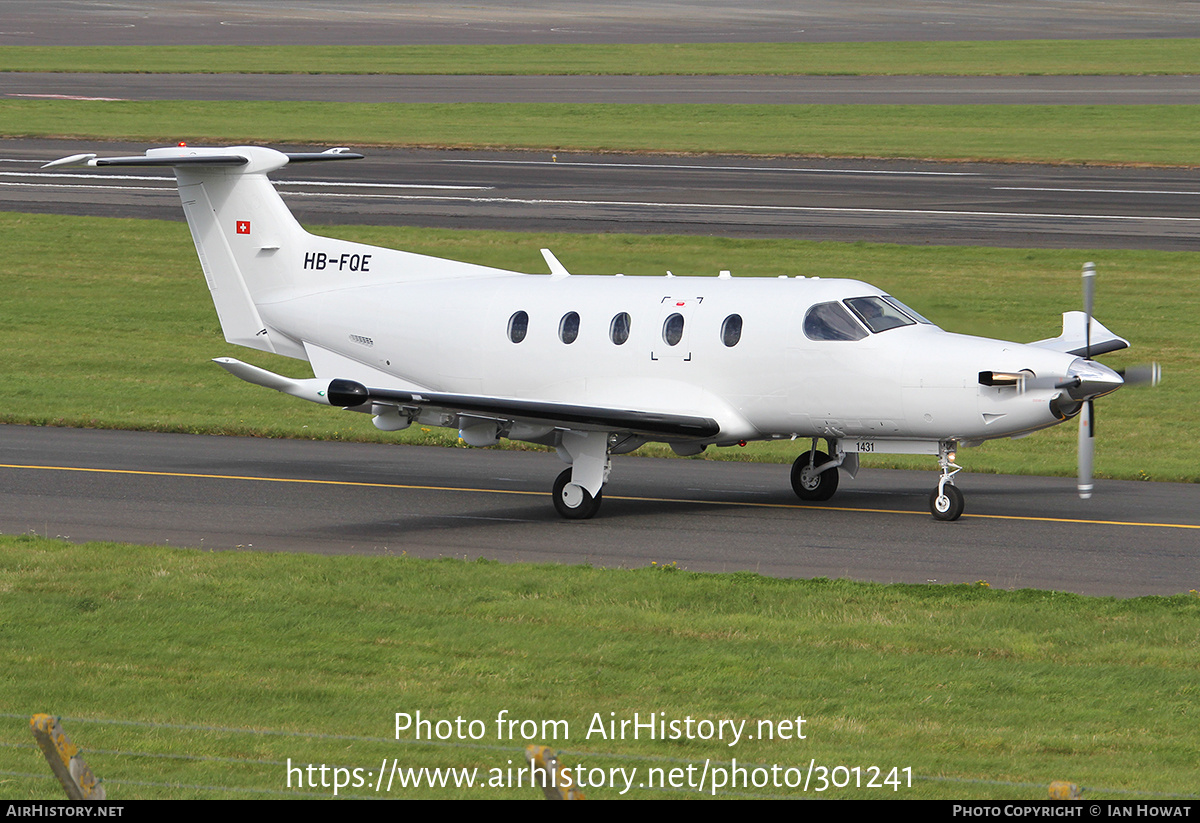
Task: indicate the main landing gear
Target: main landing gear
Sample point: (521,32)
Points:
(815,475)
(578,490)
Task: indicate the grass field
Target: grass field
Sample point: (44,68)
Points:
(117,311)
(1052,134)
(1132,57)
(196,674)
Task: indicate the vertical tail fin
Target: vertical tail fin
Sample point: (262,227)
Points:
(239,224)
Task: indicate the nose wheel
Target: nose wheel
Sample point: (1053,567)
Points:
(946,501)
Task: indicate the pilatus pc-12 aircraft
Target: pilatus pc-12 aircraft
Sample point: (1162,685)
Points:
(597,366)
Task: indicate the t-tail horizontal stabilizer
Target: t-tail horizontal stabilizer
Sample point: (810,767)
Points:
(181,156)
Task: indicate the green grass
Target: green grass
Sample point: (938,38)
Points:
(1164,135)
(186,674)
(1132,57)
(117,312)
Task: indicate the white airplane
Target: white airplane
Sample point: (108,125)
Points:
(598,365)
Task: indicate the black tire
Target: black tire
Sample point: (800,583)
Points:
(949,506)
(584,509)
(809,487)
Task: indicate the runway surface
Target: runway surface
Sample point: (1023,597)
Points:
(231,493)
(722,90)
(363,22)
(905,202)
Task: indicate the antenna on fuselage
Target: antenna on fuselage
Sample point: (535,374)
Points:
(556,268)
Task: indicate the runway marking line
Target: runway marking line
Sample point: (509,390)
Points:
(741,503)
(646,204)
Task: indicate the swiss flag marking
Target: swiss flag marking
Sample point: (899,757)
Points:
(243,227)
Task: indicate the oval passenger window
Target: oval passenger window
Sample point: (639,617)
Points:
(568,327)
(673,330)
(518,325)
(731,330)
(618,330)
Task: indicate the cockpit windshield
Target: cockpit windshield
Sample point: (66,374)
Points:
(879,314)
(907,310)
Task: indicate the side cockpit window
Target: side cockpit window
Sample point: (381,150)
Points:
(831,321)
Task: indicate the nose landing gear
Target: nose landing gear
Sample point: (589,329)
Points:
(946,501)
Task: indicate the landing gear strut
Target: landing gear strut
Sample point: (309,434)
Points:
(578,490)
(946,501)
(815,475)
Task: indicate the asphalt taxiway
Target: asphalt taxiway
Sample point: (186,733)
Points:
(392,22)
(1137,90)
(224,493)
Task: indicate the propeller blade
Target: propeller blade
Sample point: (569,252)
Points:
(1089,299)
(1147,374)
(1087,448)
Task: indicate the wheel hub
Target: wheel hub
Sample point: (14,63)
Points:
(572,495)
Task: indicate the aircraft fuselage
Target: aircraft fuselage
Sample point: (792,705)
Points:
(911,382)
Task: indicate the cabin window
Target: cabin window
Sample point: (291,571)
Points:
(878,314)
(831,321)
(673,329)
(518,326)
(731,330)
(568,327)
(618,330)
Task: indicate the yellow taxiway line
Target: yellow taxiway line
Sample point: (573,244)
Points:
(739,503)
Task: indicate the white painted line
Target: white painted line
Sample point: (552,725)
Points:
(9,184)
(50,175)
(644,204)
(1097,191)
(68,97)
(697,167)
(333,184)
(747,207)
